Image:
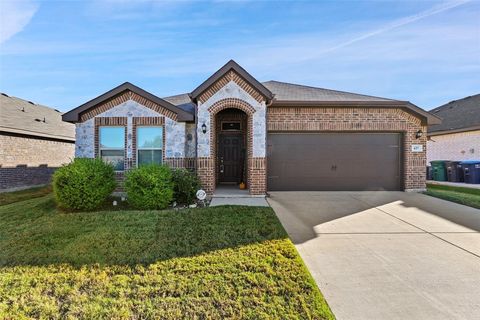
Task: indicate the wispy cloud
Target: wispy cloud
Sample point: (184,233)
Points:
(14,16)
(399,23)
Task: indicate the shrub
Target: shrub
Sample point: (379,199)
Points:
(83,184)
(149,187)
(185,186)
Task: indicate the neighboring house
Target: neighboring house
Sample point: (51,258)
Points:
(34,141)
(457,138)
(271,135)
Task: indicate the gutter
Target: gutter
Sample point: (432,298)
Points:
(451,131)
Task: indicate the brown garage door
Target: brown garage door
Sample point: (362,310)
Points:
(334,161)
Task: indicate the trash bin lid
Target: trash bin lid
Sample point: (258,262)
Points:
(470,162)
(438,162)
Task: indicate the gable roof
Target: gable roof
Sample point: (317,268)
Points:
(457,116)
(289,94)
(74,115)
(231,65)
(27,118)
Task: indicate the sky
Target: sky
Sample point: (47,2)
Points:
(64,53)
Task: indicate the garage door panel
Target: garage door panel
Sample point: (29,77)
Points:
(334,161)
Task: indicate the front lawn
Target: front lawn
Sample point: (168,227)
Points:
(466,196)
(222,262)
(16,196)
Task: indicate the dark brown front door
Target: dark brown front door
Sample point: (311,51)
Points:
(334,161)
(230,158)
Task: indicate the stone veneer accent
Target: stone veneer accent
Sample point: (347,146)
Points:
(175,145)
(230,92)
(321,119)
(230,76)
(121,99)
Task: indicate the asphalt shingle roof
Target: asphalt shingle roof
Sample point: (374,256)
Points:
(458,114)
(284,91)
(24,117)
(182,101)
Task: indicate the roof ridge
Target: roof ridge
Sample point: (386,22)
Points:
(331,90)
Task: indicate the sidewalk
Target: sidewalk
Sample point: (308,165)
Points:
(455,184)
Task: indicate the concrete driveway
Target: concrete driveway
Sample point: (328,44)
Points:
(387,255)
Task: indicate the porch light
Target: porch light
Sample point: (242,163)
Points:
(204,128)
(419,134)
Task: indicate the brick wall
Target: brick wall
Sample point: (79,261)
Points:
(24,177)
(29,161)
(30,151)
(322,119)
(456,146)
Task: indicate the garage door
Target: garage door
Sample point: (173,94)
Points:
(334,161)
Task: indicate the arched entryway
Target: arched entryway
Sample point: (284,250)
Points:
(232,145)
(230,123)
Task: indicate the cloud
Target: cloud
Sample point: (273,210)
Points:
(14,16)
(399,23)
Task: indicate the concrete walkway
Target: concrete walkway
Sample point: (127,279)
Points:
(232,195)
(387,255)
(243,201)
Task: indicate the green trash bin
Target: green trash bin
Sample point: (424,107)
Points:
(439,170)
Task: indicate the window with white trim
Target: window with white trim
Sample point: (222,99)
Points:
(112,146)
(149,145)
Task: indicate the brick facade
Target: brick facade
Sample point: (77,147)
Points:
(194,145)
(459,146)
(338,119)
(28,161)
(207,166)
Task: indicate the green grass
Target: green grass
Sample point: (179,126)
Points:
(16,196)
(466,196)
(210,263)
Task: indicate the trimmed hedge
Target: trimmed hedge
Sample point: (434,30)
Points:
(83,184)
(186,184)
(149,187)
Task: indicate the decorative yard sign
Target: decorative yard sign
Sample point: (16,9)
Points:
(201,195)
(417,148)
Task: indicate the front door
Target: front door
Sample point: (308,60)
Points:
(230,158)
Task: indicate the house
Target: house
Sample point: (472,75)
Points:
(34,141)
(270,135)
(457,138)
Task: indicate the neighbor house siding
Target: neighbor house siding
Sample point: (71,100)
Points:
(321,119)
(28,161)
(459,146)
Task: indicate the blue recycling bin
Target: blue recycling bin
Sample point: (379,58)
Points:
(471,171)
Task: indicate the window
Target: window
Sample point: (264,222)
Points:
(112,146)
(231,126)
(149,145)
